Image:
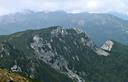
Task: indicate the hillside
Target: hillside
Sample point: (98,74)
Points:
(8,76)
(56,54)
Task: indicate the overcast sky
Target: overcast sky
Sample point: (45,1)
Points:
(74,6)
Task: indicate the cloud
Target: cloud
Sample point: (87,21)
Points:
(97,6)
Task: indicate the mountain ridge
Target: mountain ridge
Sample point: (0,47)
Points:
(111,27)
(56,54)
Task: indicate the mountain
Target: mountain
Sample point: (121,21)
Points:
(56,54)
(100,27)
(40,54)
(122,16)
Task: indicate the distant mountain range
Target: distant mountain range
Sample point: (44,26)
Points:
(122,16)
(56,54)
(99,27)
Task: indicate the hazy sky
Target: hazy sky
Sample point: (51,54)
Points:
(75,6)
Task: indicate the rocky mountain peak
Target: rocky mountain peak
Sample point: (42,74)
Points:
(61,55)
(59,31)
(48,50)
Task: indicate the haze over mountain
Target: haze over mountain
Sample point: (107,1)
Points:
(122,16)
(99,27)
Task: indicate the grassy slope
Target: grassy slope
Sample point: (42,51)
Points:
(8,76)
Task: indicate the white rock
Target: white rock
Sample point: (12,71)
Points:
(77,58)
(58,31)
(1,56)
(101,52)
(107,45)
(78,31)
(51,40)
(16,68)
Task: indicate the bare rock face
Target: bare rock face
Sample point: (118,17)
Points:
(101,52)
(107,46)
(16,68)
(44,52)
